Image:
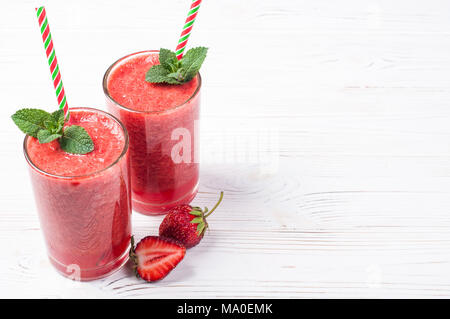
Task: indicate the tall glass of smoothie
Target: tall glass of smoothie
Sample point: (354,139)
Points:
(162,121)
(84,201)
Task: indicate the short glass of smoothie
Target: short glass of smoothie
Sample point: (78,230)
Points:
(84,201)
(162,122)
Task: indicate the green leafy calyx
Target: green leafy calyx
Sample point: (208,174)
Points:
(200,216)
(47,127)
(170,70)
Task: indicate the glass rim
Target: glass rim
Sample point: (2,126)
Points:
(108,96)
(124,151)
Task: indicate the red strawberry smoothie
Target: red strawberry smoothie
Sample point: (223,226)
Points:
(84,201)
(161,122)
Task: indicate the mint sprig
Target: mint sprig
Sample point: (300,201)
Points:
(47,127)
(170,70)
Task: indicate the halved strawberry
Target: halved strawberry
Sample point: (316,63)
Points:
(155,257)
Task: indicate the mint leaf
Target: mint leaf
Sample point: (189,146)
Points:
(76,140)
(171,80)
(172,71)
(58,117)
(192,62)
(30,121)
(178,76)
(53,127)
(45,136)
(157,74)
(168,60)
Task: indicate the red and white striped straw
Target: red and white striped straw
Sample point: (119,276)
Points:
(192,14)
(52,61)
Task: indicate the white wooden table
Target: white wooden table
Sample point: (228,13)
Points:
(326,123)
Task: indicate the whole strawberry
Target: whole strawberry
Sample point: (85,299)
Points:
(186,224)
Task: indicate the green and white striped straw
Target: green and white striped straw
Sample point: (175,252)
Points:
(192,14)
(52,61)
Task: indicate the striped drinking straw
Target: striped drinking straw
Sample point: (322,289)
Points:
(193,10)
(52,61)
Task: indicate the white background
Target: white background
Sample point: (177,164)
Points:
(346,193)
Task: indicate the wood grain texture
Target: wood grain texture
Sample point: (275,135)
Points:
(325,123)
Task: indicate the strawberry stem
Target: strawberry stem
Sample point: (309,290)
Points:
(215,206)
